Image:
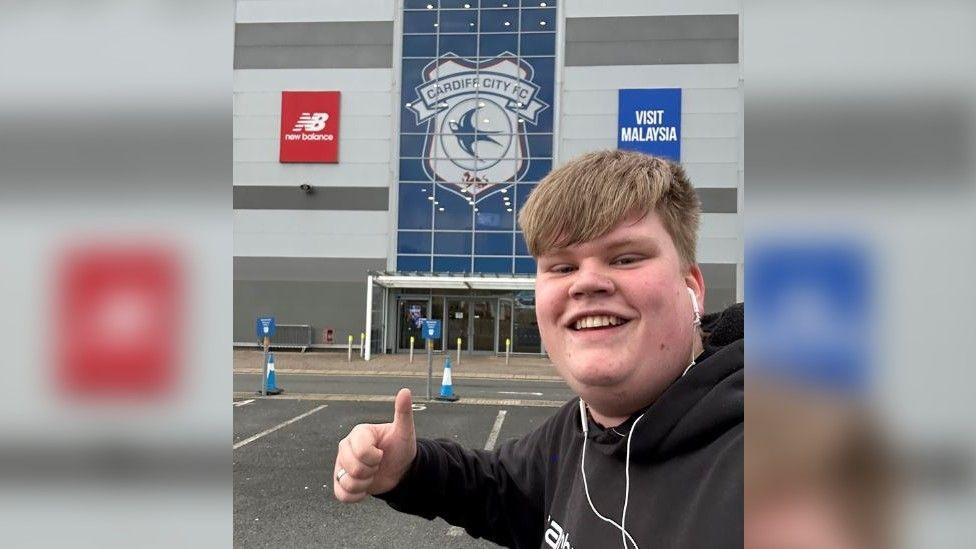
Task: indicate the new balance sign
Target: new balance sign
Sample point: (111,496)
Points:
(309,126)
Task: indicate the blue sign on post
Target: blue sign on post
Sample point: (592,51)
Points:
(432,329)
(649,121)
(264,327)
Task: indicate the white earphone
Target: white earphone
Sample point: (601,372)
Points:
(694,305)
(624,534)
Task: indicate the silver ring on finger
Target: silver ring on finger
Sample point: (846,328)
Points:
(340,474)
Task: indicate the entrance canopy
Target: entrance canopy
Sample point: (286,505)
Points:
(381,282)
(453,281)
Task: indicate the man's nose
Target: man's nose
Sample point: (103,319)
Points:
(591,281)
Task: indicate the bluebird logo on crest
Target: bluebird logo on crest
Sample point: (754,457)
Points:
(476,115)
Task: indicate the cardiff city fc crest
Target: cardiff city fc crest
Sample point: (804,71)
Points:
(476,113)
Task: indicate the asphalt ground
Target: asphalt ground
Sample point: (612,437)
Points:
(282,480)
(498,391)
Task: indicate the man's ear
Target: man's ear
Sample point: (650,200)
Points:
(695,281)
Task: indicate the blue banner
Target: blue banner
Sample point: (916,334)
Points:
(649,121)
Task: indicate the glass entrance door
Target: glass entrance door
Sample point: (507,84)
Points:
(505,307)
(457,324)
(482,325)
(411,311)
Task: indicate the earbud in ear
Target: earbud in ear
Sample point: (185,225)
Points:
(694,306)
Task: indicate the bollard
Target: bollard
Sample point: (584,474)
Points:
(350,348)
(411,349)
(459,350)
(508,349)
(362,347)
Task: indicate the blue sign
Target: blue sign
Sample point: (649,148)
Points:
(649,121)
(432,329)
(810,312)
(264,327)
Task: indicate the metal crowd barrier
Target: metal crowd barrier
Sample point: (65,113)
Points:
(292,336)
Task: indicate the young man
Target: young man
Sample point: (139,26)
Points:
(650,455)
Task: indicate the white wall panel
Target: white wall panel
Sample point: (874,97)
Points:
(709,125)
(353,127)
(651,76)
(618,8)
(272,11)
(310,233)
(720,175)
(269,103)
(692,150)
(357,151)
(347,80)
(693,101)
(719,225)
(321,175)
(710,150)
(719,250)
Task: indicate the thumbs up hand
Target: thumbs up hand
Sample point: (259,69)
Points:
(373,458)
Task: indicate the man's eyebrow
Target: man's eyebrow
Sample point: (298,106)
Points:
(631,241)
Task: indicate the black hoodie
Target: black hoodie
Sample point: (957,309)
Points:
(685,469)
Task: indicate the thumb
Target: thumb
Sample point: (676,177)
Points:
(403,413)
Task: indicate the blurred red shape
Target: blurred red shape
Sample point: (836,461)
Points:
(118,320)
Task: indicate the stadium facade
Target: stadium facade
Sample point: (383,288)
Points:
(447,115)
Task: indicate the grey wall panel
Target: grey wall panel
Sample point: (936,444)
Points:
(337,305)
(651,52)
(652,40)
(720,284)
(661,27)
(718,200)
(354,44)
(307,269)
(322,198)
(368,56)
(314,34)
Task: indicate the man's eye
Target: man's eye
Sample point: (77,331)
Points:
(562,269)
(627,260)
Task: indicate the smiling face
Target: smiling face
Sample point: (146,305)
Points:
(615,315)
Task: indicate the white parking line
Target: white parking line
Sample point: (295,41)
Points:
(493,436)
(518,393)
(243,403)
(455,531)
(279,426)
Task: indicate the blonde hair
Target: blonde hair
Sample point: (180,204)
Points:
(587,197)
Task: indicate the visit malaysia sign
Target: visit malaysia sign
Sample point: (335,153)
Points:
(649,121)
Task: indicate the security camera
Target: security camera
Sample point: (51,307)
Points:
(307,188)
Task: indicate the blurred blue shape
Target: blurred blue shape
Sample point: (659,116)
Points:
(810,312)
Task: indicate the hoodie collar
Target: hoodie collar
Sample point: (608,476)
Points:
(696,407)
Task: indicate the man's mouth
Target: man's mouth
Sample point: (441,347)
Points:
(598,322)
